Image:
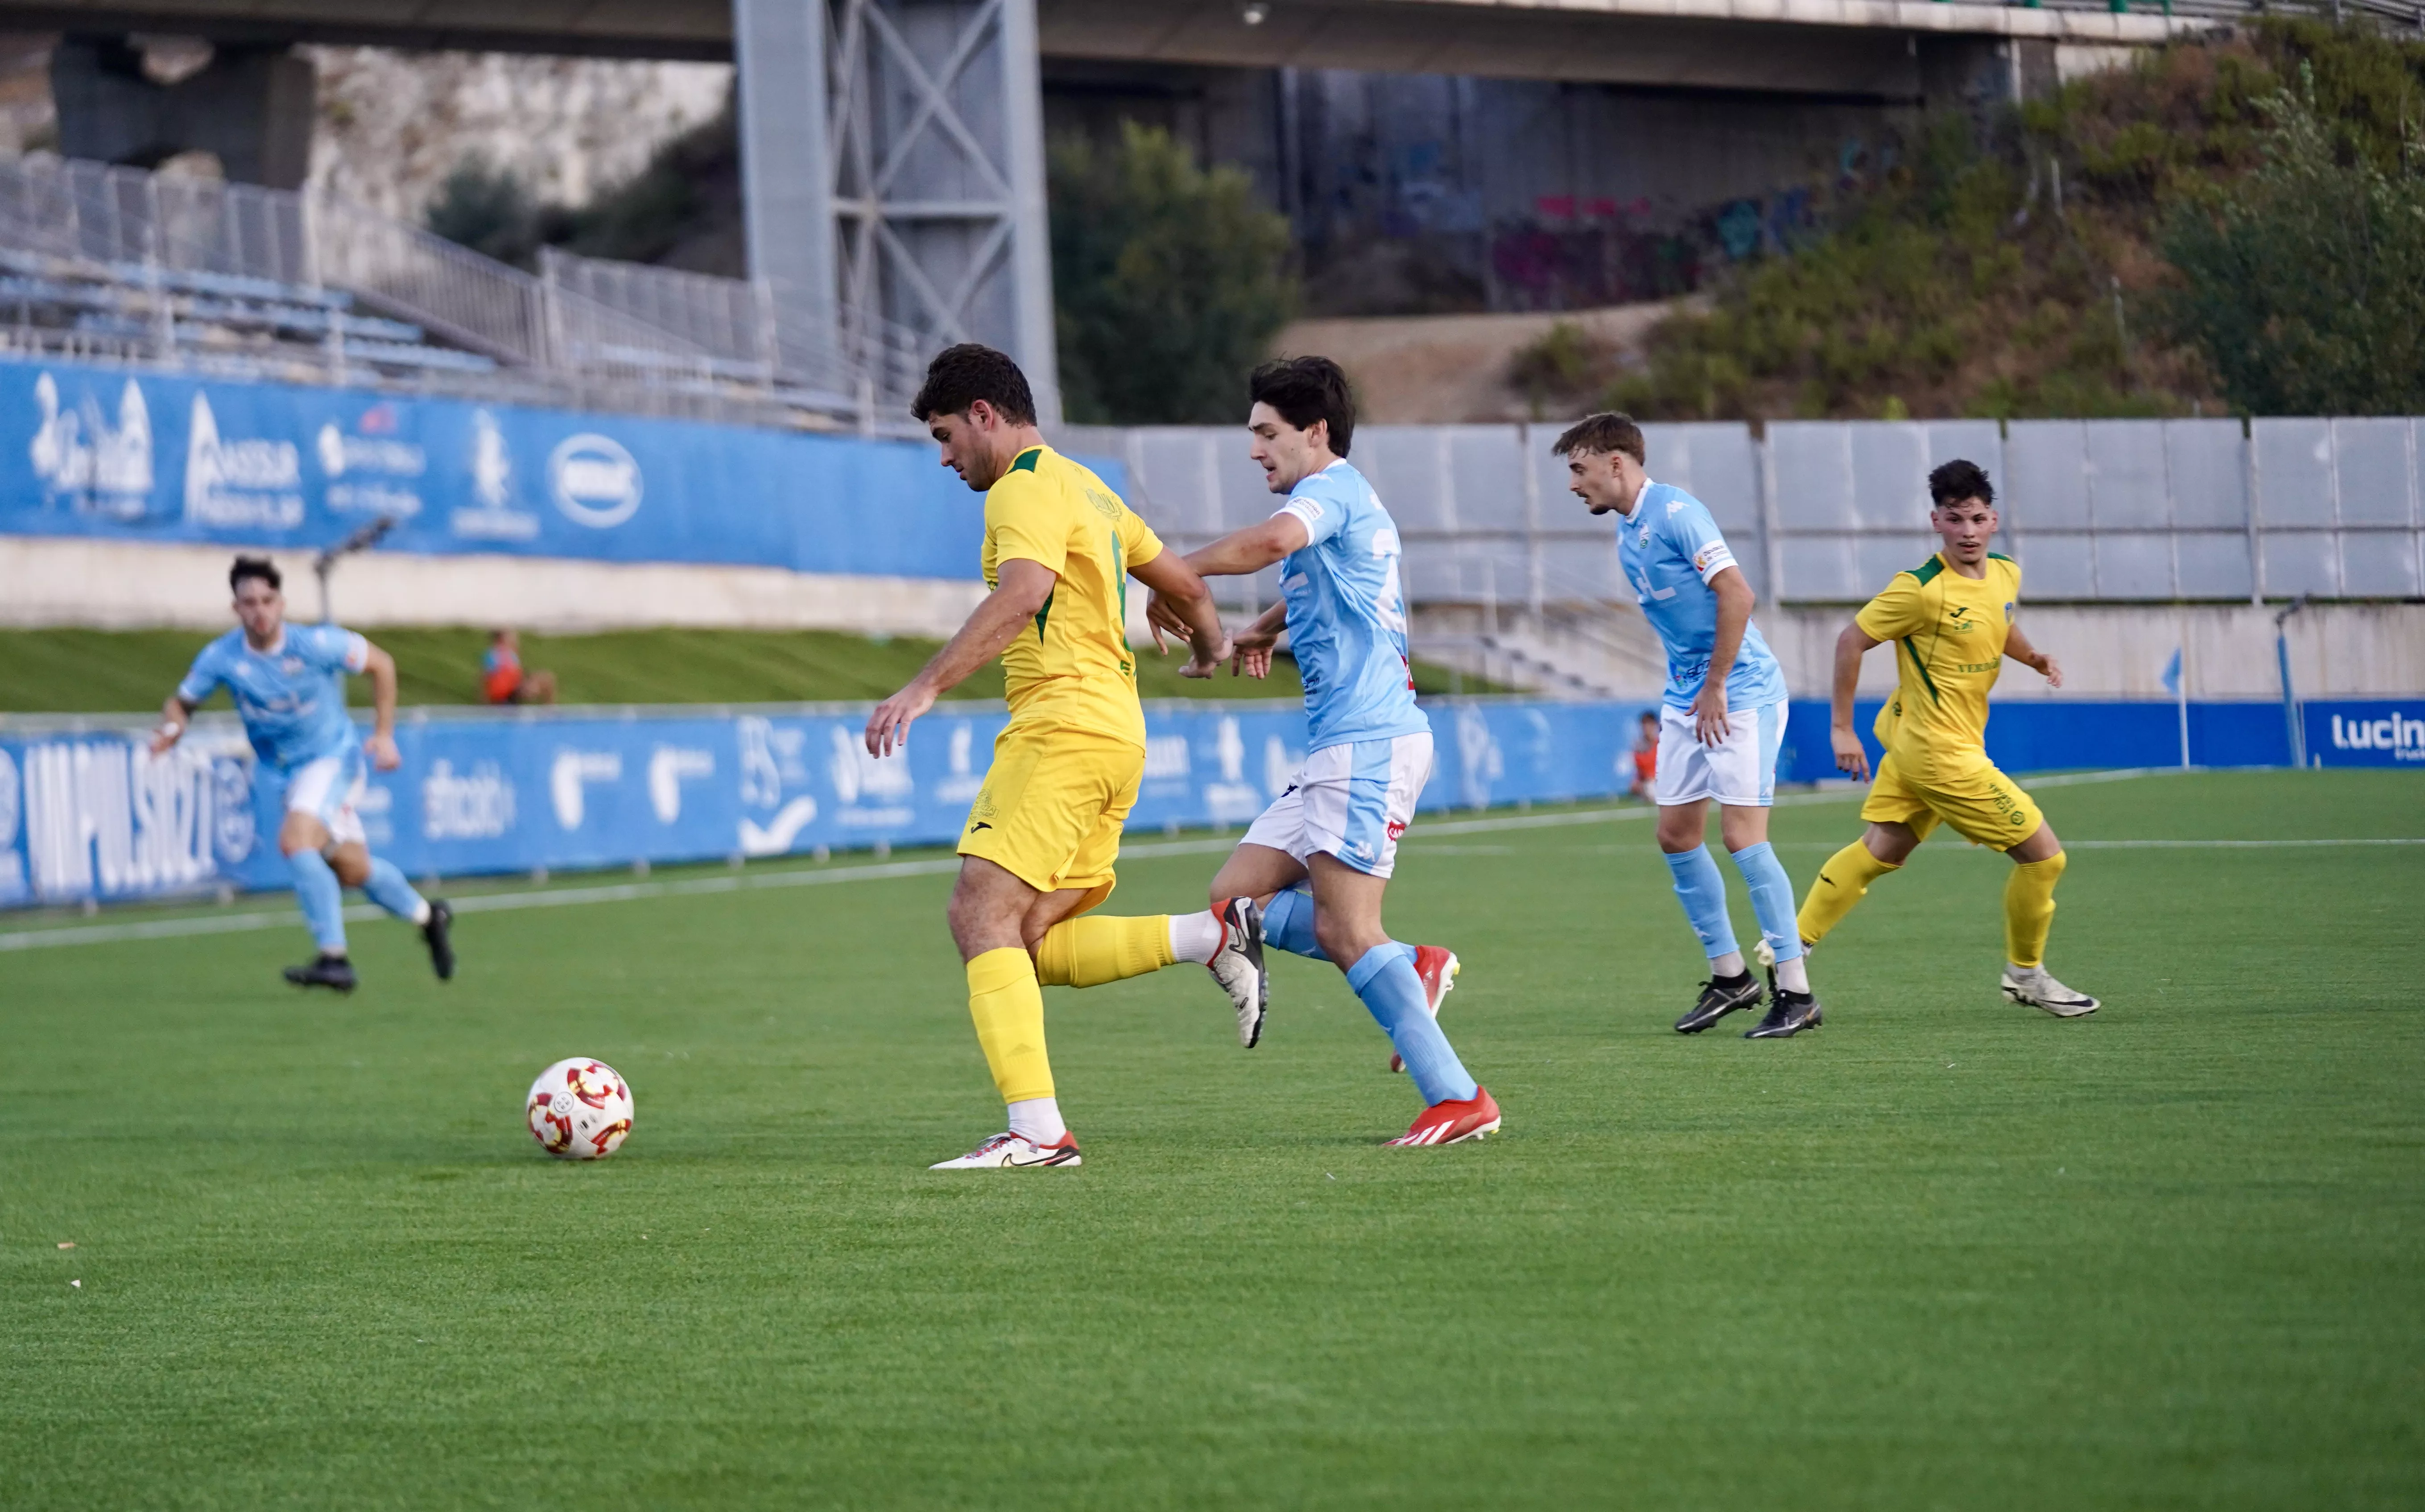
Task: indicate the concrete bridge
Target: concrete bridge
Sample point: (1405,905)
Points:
(894,149)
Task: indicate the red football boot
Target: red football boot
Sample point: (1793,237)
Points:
(1438,966)
(1448,1123)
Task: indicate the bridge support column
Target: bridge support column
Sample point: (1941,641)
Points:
(908,200)
(251,106)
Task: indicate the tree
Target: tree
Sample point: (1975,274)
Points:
(489,210)
(2303,282)
(1169,282)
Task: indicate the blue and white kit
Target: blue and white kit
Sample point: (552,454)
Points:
(1669,548)
(292,698)
(1369,747)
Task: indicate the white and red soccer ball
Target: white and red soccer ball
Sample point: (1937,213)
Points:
(580,1109)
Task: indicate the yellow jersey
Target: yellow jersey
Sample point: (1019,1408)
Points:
(1947,632)
(1072,667)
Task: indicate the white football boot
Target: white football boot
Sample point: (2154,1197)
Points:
(1438,966)
(1237,964)
(1014,1151)
(2033,987)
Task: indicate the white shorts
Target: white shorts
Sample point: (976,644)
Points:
(330,789)
(1740,770)
(1351,801)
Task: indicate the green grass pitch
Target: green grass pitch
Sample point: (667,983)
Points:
(1945,1252)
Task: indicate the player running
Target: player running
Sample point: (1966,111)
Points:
(1044,831)
(1720,721)
(1369,747)
(1952,622)
(287,683)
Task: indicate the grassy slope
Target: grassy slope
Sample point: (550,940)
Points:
(1944,1252)
(74,671)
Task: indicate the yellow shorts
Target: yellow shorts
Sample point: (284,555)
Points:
(1051,811)
(1983,805)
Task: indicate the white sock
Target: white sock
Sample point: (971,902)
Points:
(1195,936)
(2023,970)
(421,915)
(1730,964)
(1038,1119)
(1794,975)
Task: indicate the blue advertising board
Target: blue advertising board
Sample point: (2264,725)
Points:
(89,814)
(135,455)
(92,815)
(2366,732)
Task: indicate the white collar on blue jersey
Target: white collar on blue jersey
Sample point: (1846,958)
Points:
(1648,484)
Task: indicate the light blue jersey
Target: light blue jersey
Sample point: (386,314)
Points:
(1669,548)
(292,697)
(1346,614)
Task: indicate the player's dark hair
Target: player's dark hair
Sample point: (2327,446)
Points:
(1958,479)
(1305,390)
(1606,434)
(253,567)
(960,375)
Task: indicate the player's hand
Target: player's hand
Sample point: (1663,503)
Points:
(1164,619)
(1710,724)
(2053,670)
(1252,654)
(382,752)
(1199,665)
(887,728)
(1852,757)
(165,736)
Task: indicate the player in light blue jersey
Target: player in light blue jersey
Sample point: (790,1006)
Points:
(1721,720)
(1369,750)
(288,683)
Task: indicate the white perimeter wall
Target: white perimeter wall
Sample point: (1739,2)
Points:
(48,581)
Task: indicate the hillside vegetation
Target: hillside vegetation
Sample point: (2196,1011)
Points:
(2235,223)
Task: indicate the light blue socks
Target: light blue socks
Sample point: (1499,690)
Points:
(322,901)
(1289,924)
(387,888)
(1772,897)
(1393,994)
(1704,894)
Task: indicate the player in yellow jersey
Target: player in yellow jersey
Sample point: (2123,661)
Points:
(1950,622)
(1043,834)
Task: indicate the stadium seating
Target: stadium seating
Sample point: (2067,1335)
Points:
(217,315)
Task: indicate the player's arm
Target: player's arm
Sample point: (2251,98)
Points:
(1852,757)
(1021,588)
(174,716)
(1254,647)
(1180,590)
(2017,647)
(380,667)
(1239,554)
(202,680)
(1244,552)
(1735,601)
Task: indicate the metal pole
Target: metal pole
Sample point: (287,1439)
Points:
(1031,241)
(2290,696)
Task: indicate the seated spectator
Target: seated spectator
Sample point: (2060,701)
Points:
(501,678)
(1646,759)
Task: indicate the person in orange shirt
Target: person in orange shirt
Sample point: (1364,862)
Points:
(1645,758)
(501,678)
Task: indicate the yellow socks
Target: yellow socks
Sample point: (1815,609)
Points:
(1844,880)
(2028,909)
(1008,1008)
(1090,951)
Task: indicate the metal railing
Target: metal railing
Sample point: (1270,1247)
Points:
(581,327)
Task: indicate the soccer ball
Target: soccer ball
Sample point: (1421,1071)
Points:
(580,1109)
